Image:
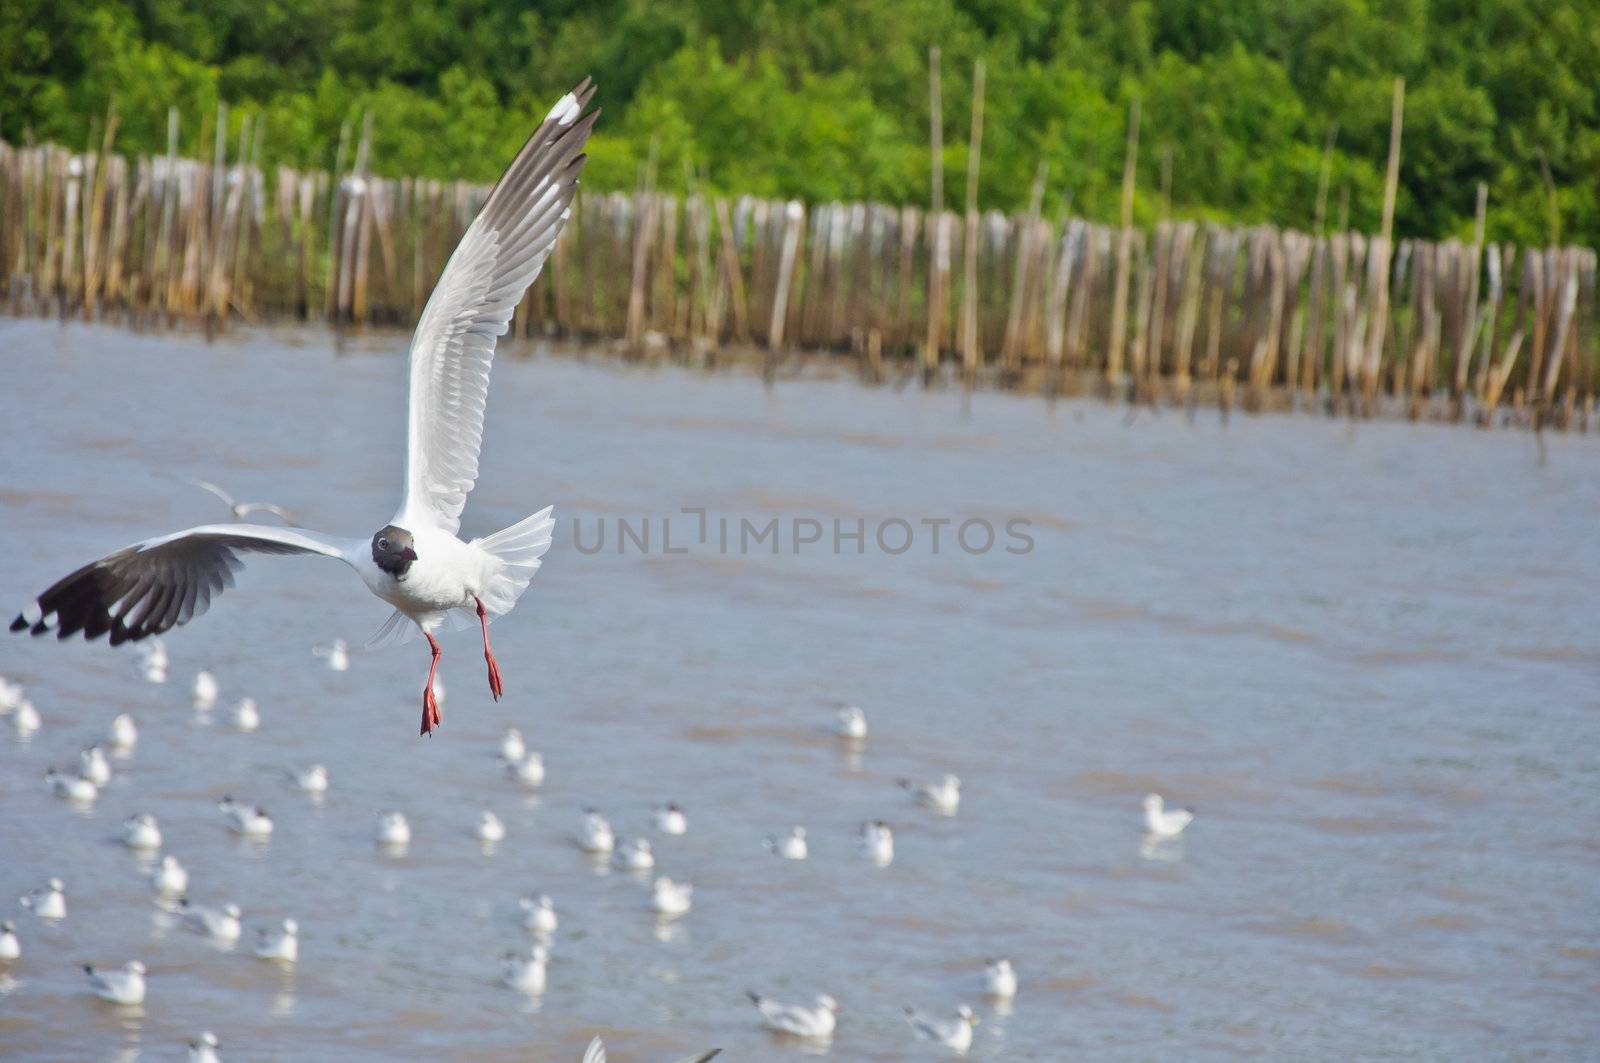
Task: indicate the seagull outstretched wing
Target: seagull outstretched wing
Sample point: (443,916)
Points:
(498,258)
(153,586)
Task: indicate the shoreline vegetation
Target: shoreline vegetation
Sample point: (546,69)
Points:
(1178,311)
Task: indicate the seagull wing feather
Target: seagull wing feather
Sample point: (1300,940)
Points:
(471,306)
(151,587)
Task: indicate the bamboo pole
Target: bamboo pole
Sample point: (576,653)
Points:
(1119,298)
(1378,260)
(970,355)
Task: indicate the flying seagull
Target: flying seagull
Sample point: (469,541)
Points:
(241,510)
(416,562)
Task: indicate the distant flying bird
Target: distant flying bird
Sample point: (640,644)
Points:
(416,562)
(241,510)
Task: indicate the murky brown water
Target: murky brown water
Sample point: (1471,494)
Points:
(1371,659)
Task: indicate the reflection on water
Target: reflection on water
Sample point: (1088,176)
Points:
(1369,656)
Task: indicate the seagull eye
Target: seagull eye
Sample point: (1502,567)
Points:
(383,544)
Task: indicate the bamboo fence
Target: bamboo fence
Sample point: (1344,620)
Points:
(1179,312)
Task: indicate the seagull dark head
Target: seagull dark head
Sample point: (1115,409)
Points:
(391,550)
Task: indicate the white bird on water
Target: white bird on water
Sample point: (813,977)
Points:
(595,835)
(1164,822)
(671,820)
(203,1049)
(999,979)
(512,747)
(153,661)
(123,734)
(25,718)
(313,780)
(338,655)
(944,796)
(596,1053)
(241,510)
(634,855)
(74,788)
(671,898)
(798,1020)
(876,841)
(141,832)
(525,974)
(393,830)
(10,947)
(48,901)
(280,943)
(539,914)
(791,846)
(246,716)
(93,765)
(954,1033)
(222,924)
(490,829)
(250,821)
(169,877)
(204,692)
(416,562)
(11,695)
(529,771)
(852,723)
(119,987)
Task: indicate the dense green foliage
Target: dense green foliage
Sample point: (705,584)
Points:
(829,98)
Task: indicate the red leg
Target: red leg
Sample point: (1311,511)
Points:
(488,654)
(430,704)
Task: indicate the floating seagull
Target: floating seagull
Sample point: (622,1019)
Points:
(512,748)
(281,943)
(797,1019)
(635,855)
(595,835)
(313,780)
(204,691)
(539,914)
(74,788)
(141,832)
(203,1049)
(220,923)
(49,901)
(1163,822)
(169,877)
(250,821)
(525,973)
(490,829)
(10,947)
(529,770)
(393,830)
(338,656)
(25,718)
(93,765)
(415,562)
(11,695)
(943,796)
(120,987)
(877,842)
(791,846)
(153,655)
(953,1033)
(671,898)
(671,820)
(596,1053)
(123,734)
(999,980)
(246,717)
(852,723)
(241,510)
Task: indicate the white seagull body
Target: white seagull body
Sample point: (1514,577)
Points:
(169,877)
(141,832)
(417,563)
(529,771)
(954,1033)
(944,796)
(123,734)
(596,835)
(671,898)
(25,718)
(1000,979)
(313,780)
(877,842)
(512,747)
(93,765)
(281,943)
(671,820)
(220,923)
(10,948)
(48,902)
(798,1019)
(490,829)
(250,821)
(74,788)
(539,914)
(791,846)
(393,830)
(204,690)
(525,974)
(1165,822)
(596,1053)
(634,855)
(120,987)
(338,656)
(203,1049)
(852,723)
